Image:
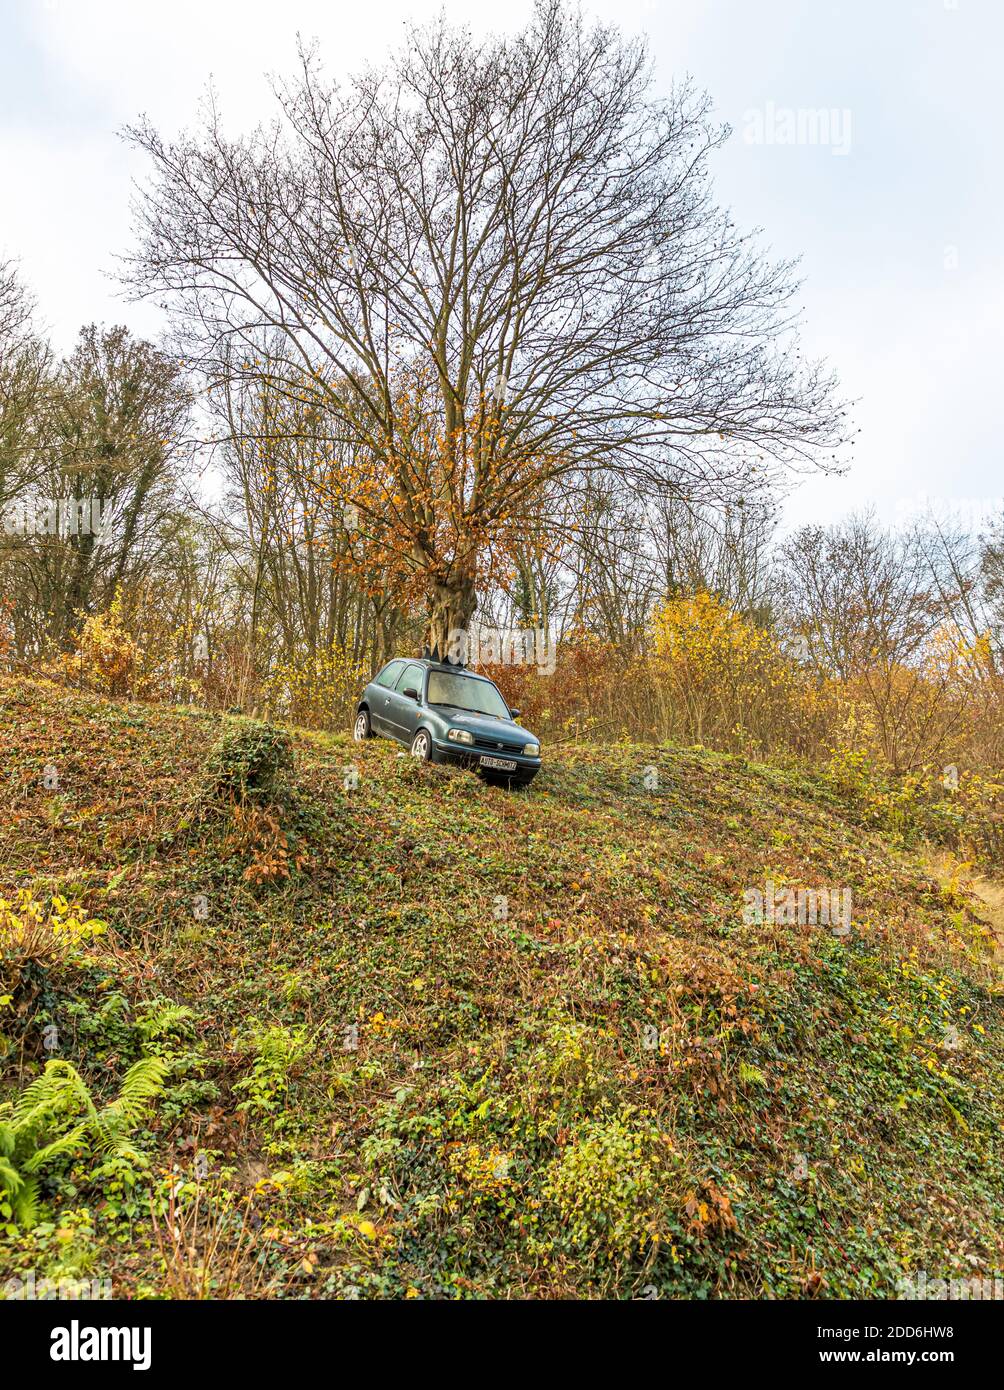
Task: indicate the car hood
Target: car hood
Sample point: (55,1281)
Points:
(488,730)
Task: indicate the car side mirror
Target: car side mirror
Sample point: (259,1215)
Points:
(410,693)
(514,714)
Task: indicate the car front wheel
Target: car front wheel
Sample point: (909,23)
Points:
(421,746)
(361,728)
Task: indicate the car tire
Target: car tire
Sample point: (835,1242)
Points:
(362,729)
(421,746)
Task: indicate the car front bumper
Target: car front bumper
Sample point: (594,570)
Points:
(525,770)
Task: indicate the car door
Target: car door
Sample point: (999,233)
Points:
(400,711)
(383,687)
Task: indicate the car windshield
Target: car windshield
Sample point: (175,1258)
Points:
(466,692)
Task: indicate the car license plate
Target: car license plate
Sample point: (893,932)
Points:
(502,764)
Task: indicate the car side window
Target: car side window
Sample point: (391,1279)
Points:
(390,673)
(411,679)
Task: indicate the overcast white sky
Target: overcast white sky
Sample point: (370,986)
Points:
(899,226)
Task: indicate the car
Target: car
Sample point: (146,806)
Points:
(444,713)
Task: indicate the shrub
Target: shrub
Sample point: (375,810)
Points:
(106,659)
(34,939)
(249,761)
(317,690)
(723,679)
(31,932)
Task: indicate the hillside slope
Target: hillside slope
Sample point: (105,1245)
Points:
(450,1041)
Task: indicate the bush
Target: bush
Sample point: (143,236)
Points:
(316,690)
(34,941)
(723,680)
(106,658)
(31,932)
(249,762)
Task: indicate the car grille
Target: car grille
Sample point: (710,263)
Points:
(494,745)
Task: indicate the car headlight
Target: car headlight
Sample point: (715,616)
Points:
(531,750)
(460,736)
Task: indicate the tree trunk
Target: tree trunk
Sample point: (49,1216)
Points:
(451,606)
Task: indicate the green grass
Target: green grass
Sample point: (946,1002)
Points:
(492,1044)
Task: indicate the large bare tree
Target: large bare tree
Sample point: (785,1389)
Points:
(492,265)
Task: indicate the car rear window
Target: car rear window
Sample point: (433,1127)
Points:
(390,673)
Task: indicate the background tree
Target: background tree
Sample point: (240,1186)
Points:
(114,418)
(879,616)
(728,552)
(25,363)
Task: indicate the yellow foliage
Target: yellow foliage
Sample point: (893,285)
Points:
(106,657)
(30,931)
(723,679)
(315,691)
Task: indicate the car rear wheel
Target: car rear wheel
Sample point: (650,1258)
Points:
(361,729)
(421,746)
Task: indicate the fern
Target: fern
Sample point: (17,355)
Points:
(141,1085)
(55,1117)
(10,1178)
(72,1143)
(48,1093)
(750,1075)
(167,1019)
(27,1209)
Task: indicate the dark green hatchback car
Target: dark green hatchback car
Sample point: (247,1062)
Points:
(446,714)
